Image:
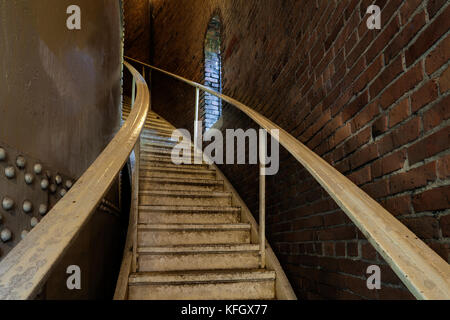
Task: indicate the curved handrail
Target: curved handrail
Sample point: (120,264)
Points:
(423,271)
(25,269)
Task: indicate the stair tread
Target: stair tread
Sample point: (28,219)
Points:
(195,193)
(158,149)
(203,276)
(205,248)
(147,137)
(194,226)
(197,209)
(176,169)
(155,161)
(181,180)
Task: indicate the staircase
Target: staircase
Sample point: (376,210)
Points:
(191,243)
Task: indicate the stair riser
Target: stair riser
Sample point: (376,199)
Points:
(250,290)
(151,185)
(177,174)
(165,145)
(149,132)
(158,217)
(156,139)
(198,261)
(168,163)
(174,237)
(184,201)
(160,150)
(166,153)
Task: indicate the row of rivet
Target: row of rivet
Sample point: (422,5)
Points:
(27,206)
(6,234)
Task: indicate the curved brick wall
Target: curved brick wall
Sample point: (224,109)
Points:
(374,103)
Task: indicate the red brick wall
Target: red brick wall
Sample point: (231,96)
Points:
(373,103)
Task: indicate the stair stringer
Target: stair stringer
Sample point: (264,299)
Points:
(283,288)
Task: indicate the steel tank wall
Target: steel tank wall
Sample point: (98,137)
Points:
(60,88)
(60,102)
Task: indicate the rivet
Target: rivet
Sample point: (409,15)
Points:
(10,172)
(62,192)
(33,222)
(24,234)
(43,209)
(7,203)
(69,184)
(29,178)
(37,168)
(2,154)
(6,235)
(44,184)
(20,162)
(58,179)
(27,206)
(53,188)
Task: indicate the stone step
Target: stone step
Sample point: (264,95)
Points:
(198,257)
(155,161)
(179,172)
(179,234)
(158,132)
(158,139)
(167,151)
(184,198)
(163,156)
(189,214)
(167,146)
(166,183)
(152,133)
(160,152)
(203,285)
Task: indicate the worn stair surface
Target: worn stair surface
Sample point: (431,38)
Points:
(191,241)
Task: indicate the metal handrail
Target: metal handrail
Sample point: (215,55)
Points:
(25,269)
(422,270)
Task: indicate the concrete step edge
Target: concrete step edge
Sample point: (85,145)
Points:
(169,180)
(198,249)
(183,193)
(194,227)
(190,209)
(188,277)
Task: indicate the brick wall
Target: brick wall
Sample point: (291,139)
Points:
(373,103)
(211,106)
(137,27)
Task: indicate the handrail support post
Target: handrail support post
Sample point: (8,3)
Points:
(197,129)
(133,92)
(262,196)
